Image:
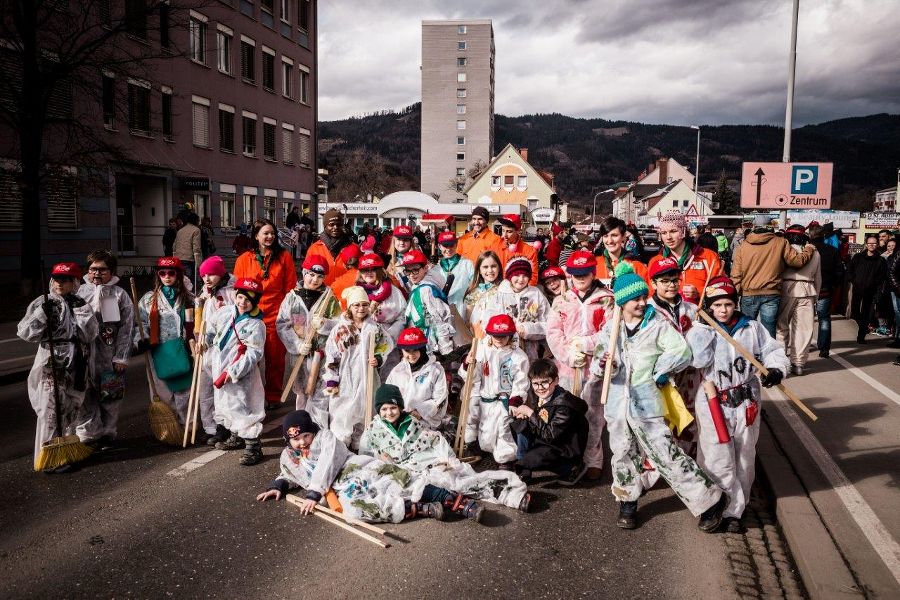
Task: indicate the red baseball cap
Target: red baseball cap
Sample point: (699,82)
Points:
(412,338)
(414,257)
(447,238)
(370,262)
(249,284)
(349,253)
(316,264)
(169,262)
(66,269)
(501,325)
(720,287)
(514,221)
(581,262)
(403,232)
(551,272)
(663,266)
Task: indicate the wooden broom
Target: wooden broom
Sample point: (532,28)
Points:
(163,420)
(370,383)
(307,339)
(611,353)
(459,443)
(193,408)
(62,449)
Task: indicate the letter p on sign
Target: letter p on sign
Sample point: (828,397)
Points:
(804,179)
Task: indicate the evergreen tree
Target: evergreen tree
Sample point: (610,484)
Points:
(729,203)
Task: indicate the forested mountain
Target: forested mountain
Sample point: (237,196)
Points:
(380,152)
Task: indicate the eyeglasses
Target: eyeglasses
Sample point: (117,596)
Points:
(541,384)
(667,281)
(98,270)
(414,269)
(167,273)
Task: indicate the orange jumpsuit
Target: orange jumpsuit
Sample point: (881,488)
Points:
(604,270)
(471,247)
(281,279)
(522,249)
(702,265)
(336,266)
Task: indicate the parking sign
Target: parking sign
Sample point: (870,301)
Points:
(786,186)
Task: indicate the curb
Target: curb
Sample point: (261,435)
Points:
(823,569)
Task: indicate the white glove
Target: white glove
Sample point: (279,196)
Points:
(578,344)
(305,348)
(331,391)
(317,324)
(577,358)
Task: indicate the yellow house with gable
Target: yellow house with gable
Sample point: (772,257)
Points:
(510,179)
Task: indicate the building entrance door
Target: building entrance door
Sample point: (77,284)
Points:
(125,217)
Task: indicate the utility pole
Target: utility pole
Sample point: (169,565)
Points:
(789,109)
(697,169)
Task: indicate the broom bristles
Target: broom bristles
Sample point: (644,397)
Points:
(164,423)
(61,451)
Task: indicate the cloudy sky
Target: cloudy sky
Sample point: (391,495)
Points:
(655,61)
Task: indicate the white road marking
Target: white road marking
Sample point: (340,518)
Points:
(18,359)
(15,339)
(208,457)
(883,389)
(884,545)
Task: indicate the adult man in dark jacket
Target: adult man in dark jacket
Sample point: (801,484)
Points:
(832,277)
(551,427)
(867,273)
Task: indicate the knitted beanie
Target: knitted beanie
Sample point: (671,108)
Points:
(673,217)
(300,422)
(214,265)
(388,394)
(628,285)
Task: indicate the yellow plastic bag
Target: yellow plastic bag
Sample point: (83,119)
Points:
(677,416)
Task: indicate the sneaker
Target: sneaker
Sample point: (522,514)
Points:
(796,370)
(472,450)
(823,353)
(525,476)
(252,455)
(525,503)
(573,477)
(465,507)
(627,518)
(232,443)
(509,465)
(883,331)
(593,473)
(733,525)
(712,516)
(897,360)
(429,510)
(220,435)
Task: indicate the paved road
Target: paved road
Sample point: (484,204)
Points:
(849,460)
(123,525)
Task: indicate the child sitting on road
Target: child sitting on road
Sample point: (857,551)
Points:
(367,488)
(551,427)
(500,381)
(237,337)
(731,386)
(421,379)
(398,438)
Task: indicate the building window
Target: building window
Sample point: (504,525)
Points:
(684,203)
(287,78)
(460,140)
(305,153)
(460,124)
(139,108)
(284,11)
(197,31)
(460,62)
(249,130)
(268,66)
(461,93)
(226,209)
(532,203)
(200,108)
(674,203)
(11,215)
(249,203)
(164,25)
(62,201)
(304,86)
(168,133)
(223,43)
(201,203)
(460,172)
(460,109)
(226,128)
(461,30)
(460,45)
(109,100)
(509,181)
(268,140)
(287,144)
(303,11)
(495,181)
(523,181)
(267,5)
(248,61)
(460,156)
(269,208)
(460,77)
(136,18)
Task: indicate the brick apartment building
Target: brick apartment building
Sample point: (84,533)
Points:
(227,123)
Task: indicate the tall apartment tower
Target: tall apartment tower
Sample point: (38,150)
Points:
(457,102)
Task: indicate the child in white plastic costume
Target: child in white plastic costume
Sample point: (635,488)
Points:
(427,308)
(421,379)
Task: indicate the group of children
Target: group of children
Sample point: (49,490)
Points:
(533,383)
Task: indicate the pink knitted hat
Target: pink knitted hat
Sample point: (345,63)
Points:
(673,217)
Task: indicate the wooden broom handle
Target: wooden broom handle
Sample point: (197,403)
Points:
(613,344)
(759,366)
(459,443)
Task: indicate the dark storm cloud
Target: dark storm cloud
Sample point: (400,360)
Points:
(661,61)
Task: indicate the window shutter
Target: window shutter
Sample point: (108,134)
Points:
(304,150)
(11,215)
(201,124)
(287,146)
(62,202)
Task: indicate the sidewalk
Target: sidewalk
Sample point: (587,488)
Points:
(16,356)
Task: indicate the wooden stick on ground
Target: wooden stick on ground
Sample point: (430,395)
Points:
(459,443)
(193,400)
(356,522)
(759,366)
(611,353)
(340,523)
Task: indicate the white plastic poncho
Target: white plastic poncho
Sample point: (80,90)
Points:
(345,367)
(463,272)
(424,391)
(73,326)
(212,304)
(241,400)
(103,398)
(429,313)
(528,307)
(427,453)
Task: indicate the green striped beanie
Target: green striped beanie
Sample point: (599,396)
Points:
(628,285)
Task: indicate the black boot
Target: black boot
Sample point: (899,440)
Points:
(525,503)
(232,443)
(712,516)
(253,454)
(465,507)
(471,450)
(220,435)
(627,515)
(733,525)
(424,510)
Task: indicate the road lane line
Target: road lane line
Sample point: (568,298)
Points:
(881,540)
(17,359)
(208,457)
(886,391)
(15,339)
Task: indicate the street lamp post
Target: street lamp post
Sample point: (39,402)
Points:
(697,170)
(594,209)
(789,108)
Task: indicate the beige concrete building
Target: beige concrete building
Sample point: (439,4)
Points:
(510,179)
(457,103)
